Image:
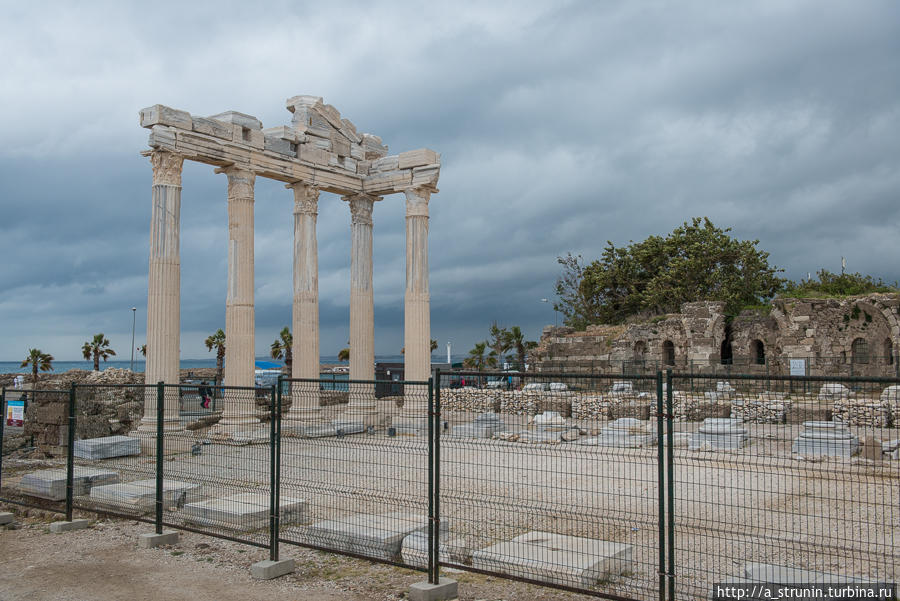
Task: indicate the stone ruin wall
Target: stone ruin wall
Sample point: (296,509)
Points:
(822,331)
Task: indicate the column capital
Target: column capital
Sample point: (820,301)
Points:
(417,200)
(166,167)
(361,207)
(241,181)
(306,198)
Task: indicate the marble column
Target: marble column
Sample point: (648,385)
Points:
(240,405)
(164,289)
(305,317)
(362,406)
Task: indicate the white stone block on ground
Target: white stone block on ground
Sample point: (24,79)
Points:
(372,535)
(343,427)
(107,447)
(244,511)
(776,574)
(719,434)
(141,494)
(484,426)
(414,550)
(823,438)
(51,484)
(624,432)
(556,558)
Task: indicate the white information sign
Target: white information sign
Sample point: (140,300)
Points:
(798,367)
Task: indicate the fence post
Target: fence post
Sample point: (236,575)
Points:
(431,517)
(70,454)
(670,480)
(2,424)
(436,387)
(273,475)
(661,485)
(160,416)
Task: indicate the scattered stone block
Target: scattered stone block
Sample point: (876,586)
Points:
(484,426)
(6,517)
(151,540)
(821,438)
(342,427)
(872,449)
(550,421)
(141,494)
(243,512)
(269,569)
(833,392)
(107,447)
(59,527)
(556,558)
(624,432)
(51,484)
(414,549)
(371,535)
(719,434)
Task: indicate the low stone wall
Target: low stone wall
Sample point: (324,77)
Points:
(767,408)
(864,412)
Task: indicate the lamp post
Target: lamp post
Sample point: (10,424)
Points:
(133,320)
(555,313)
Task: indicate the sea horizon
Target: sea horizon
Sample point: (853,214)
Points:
(13,367)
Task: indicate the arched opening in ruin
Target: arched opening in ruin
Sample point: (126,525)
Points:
(859,351)
(758,352)
(888,352)
(726,352)
(640,350)
(668,349)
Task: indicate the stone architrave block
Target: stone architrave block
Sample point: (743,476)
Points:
(51,484)
(426,175)
(280,145)
(389,178)
(284,132)
(358,152)
(340,145)
(107,447)
(141,494)
(309,152)
(417,158)
(162,137)
(159,114)
(556,558)
(239,119)
(212,127)
(414,550)
(370,535)
(391,163)
(244,511)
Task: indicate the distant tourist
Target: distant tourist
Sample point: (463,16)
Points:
(205,394)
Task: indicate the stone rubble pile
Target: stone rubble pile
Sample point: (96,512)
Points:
(469,399)
(766,408)
(862,412)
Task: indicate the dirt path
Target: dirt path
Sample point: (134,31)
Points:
(103,563)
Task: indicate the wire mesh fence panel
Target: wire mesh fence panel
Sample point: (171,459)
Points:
(35,448)
(554,479)
(783,480)
(359,464)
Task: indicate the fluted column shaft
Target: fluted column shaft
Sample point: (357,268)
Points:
(239,313)
(164,287)
(417,311)
(305,314)
(362,305)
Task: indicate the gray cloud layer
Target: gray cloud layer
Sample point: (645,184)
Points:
(561,125)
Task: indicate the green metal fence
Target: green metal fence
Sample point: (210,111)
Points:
(620,486)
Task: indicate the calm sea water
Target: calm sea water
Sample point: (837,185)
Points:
(9,367)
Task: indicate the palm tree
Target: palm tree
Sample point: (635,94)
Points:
(344,355)
(515,340)
(97,347)
(37,360)
(499,342)
(217,341)
(143,349)
(281,348)
(476,359)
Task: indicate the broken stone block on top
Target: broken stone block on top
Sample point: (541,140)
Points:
(244,511)
(370,535)
(107,447)
(51,484)
(141,494)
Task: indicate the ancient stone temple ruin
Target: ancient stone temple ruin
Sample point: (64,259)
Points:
(318,151)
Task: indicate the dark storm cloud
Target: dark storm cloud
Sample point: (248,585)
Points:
(561,126)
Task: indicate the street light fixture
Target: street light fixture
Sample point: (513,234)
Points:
(133,320)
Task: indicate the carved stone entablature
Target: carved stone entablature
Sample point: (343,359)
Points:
(166,168)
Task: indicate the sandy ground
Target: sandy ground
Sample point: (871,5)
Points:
(103,563)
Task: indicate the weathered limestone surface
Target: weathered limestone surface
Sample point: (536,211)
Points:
(51,484)
(556,558)
(624,432)
(863,412)
(719,434)
(821,438)
(244,511)
(141,494)
(107,447)
(414,550)
(372,535)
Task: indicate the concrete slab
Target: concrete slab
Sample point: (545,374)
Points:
(445,588)
(244,511)
(414,550)
(59,527)
(371,535)
(268,569)
(107,447)
(556,558)
(151,540)
(6,517)
(141,494)
(51,484)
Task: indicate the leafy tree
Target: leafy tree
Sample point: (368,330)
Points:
(37,360)
(281,348)
(515,341)
(344,355)
(217,341)
(697,261)
(498,342)
(835,285)
(97,347)
(477,359)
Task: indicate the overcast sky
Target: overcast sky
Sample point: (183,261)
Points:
(561,125)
